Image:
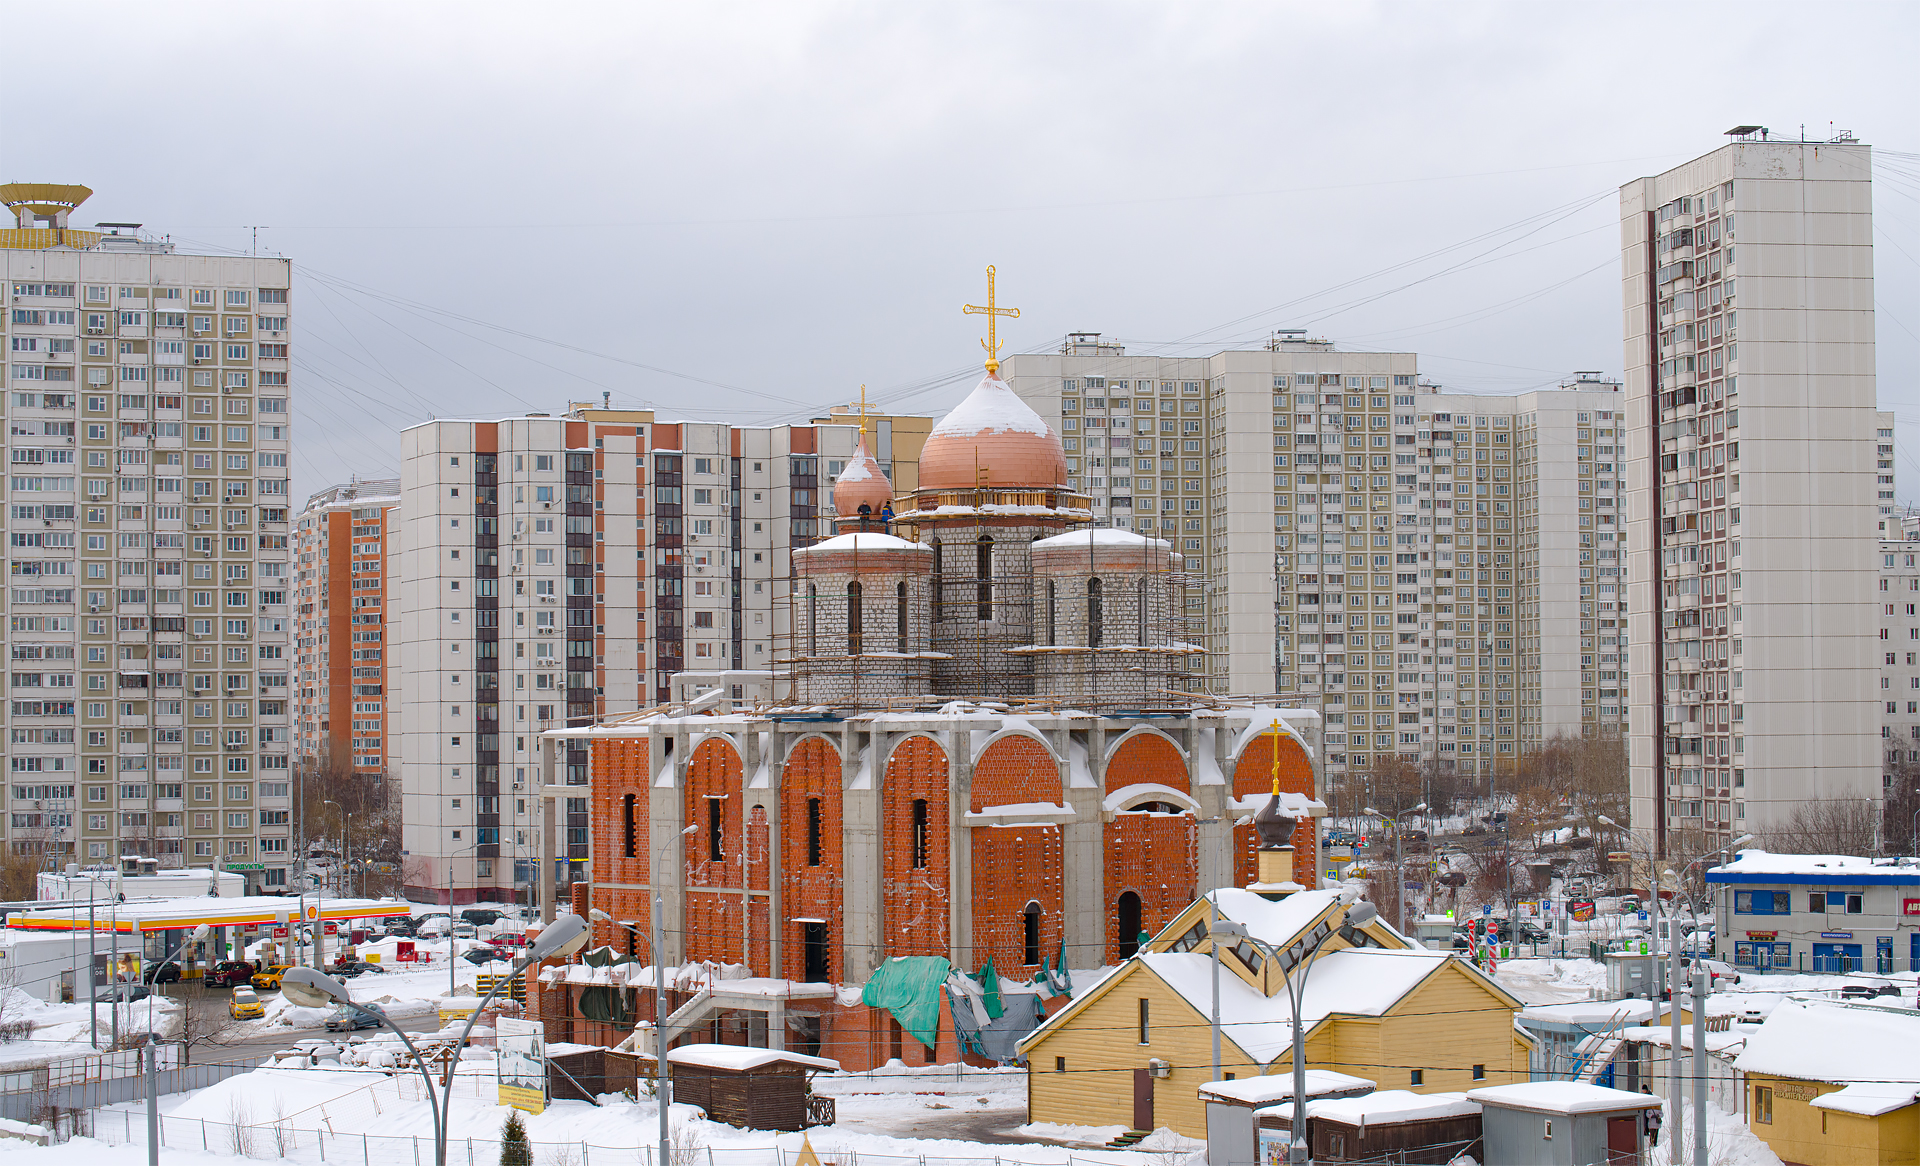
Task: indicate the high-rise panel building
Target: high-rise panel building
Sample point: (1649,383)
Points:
(1439,572)
(340,628)
(555,569)
(1748,291)
(148,626)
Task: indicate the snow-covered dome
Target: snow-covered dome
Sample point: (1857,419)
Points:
(992,438)
(862,482)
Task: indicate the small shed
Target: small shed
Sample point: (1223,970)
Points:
(576,1072)
(760,1089)
(1563,1123)
(1233,1106)
(1394,1125)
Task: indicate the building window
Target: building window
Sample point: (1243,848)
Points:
(918,843)
(1479,1072)
(1417,1077)
(939,558)
(1144,1007)
(1059,1064)
(813,831)
(632,839)
(813,620)
(983,571)
(900,616)
(1763,1104)
(1128,911)
(854,619)
(1053,614)
(714,827)
(1096,609)
(1030,933)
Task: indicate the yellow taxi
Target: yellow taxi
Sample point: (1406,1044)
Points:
(269,979)
(245,1005)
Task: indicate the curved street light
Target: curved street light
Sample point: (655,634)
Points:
(662,1072)
(1357,915)
(311,988)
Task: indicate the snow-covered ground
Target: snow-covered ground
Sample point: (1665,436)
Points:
(60,1030)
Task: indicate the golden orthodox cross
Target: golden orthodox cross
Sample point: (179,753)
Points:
(992,342)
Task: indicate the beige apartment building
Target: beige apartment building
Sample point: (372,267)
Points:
(550,570)
(1438,572)
(1754,505)
(148,627)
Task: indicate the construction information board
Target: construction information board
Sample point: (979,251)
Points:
(521,1063)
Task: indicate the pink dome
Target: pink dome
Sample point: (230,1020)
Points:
(861,482)
(992,438)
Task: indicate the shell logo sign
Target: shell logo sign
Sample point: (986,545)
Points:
(313,912)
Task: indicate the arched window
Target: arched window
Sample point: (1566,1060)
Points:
(813,619)
(1096,611)
(1128,912)
(900,617)
(855,618)
(939,562)
(1030,932)
(983,573)
(1053,614)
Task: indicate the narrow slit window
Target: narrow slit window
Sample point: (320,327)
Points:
(1096,610)
(900,617)
(919,841)
(813,831)
(1144,1007)
(715,827)
(632,840)
(939,561)
(855,616)
(813,619)
(983,571)
(1030,933)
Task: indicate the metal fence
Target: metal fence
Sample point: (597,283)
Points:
(314,1147)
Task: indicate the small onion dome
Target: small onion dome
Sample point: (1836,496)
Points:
(1274,825)
(992,438)
(860,552)
(861,484)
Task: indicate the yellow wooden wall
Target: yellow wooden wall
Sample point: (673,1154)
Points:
(1445,1026)
(1818,1137)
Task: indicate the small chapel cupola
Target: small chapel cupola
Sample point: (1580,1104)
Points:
(1275,827)
(862,495)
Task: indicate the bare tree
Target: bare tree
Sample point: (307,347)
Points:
(1827,826)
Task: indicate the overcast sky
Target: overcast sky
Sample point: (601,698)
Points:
(745,212)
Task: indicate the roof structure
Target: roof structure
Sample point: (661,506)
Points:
(992,438)
(1568,1097)
(1868,1049)
(1275,1087)
(743,1058)
(1391,1105)
(1758,866)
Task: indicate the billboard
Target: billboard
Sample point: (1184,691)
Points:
(521,1063)
(1581,910)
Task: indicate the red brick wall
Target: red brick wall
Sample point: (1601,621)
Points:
(808,891)
(1154,856)
(1254,775)
(620,771)
(915,921)
(713,921)
(1015,865)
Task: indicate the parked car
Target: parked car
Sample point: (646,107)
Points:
(400,925)
(245,1005)
(1719,972)
(167,973)
(432,925)
(128,993)
(482,916)
(465,930)
(352,968)
(229,974)
(351,1019)
(484,954)
(268,978)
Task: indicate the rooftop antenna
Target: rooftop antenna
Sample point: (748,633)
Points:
(256,240)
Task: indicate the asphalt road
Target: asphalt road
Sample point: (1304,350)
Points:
(252,1039)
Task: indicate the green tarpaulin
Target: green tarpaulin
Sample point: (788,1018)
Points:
(990,981)
(909,987)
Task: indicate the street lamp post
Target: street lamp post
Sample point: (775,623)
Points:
(1357,915)
(1399,865)
(153,1053)
(662,1071)
(311,988)
(1701,977)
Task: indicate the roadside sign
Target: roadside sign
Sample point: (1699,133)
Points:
(1642,916)
(1486,908)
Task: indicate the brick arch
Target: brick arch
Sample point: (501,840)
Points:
(809,891)
(1016,865)
(1146,756)
(1155,856)
(1253,774)
(714,929)
(915,880)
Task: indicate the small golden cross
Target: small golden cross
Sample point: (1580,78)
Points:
(861,409)
(992,342)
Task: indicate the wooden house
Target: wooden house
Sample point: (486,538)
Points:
(760,1089)
(1832,1083)
(1137,1047)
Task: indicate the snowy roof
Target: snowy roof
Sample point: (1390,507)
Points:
(192,910)
(1392,1105)
(1270,920)
(741,1058)
(1591,1013)
(1561,1097)
(1098,536)
(1354,982)
(863,541)
(1846,1044)
(1868,1098)
(1279,1087)
(992,407)
(1758,866)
